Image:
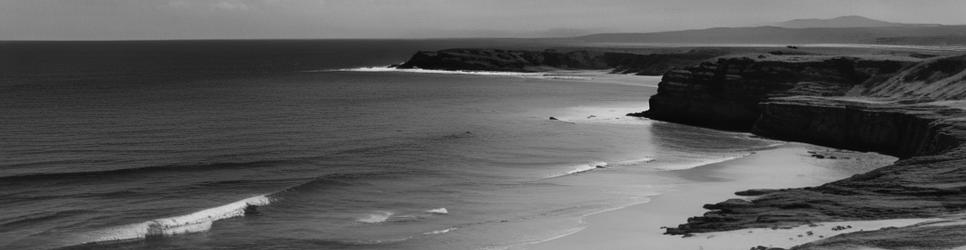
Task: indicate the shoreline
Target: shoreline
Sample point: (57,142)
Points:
(901,105)
(707,184)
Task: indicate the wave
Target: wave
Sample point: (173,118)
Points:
(441,210)
(390,216)
(703,163)
(580,169)
(634,162)
(436,71)
(143,170)
(375,218)
(440,231)
(191,223)
(587,167)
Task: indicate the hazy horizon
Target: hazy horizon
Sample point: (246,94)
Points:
(388,19)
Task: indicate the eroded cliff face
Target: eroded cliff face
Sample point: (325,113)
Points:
(894,129)
(927,182)
(531,61)
(726,94)
(849,103)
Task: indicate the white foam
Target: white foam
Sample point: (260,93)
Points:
(634,162)
(191,223)
(441,210)
(377,217)
(587,167)
(702,163)
(609,114)
(440,231)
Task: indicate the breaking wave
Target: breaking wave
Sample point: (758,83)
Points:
(441,210)
(634,162)
(440,231)
(190,223)
(580,169)
(377,217)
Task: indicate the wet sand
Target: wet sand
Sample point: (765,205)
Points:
(791,165)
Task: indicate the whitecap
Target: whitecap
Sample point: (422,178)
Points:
(581,168)
(441,210)
(440,231)
(634,162)
(377,217)
(588,167)
(200,221)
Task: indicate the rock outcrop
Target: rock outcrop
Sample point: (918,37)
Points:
(726,94)
(851,103)
(532,61)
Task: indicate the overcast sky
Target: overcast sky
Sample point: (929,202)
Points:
(229,19)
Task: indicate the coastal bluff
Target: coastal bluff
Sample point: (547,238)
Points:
(905,107)
(536,61)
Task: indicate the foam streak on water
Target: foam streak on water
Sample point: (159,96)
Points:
(704,162)
(377,217)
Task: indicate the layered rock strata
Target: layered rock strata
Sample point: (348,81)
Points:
(851,103)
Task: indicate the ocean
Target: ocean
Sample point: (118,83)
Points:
(314,144)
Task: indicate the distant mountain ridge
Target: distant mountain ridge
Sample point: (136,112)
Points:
(847,29)
(844,22)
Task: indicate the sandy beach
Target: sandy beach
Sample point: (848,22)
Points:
(787,166)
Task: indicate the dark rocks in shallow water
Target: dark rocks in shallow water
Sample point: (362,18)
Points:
(755,192)
(766,248)
(730,203)
(925,237)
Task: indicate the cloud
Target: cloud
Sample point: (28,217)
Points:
(179,4)
(230,5)
(216,5)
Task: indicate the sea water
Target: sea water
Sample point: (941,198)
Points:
(314,144)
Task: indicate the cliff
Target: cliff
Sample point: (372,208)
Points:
(906,108)
(529,61)
(726,94)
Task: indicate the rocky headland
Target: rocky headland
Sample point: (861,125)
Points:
(903,107)
(535,61)
(907,106)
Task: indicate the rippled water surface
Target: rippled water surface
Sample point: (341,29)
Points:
(254,147)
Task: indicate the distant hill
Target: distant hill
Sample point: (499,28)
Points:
(902,34)
(844,22)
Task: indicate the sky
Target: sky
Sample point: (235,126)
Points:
(261,19)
